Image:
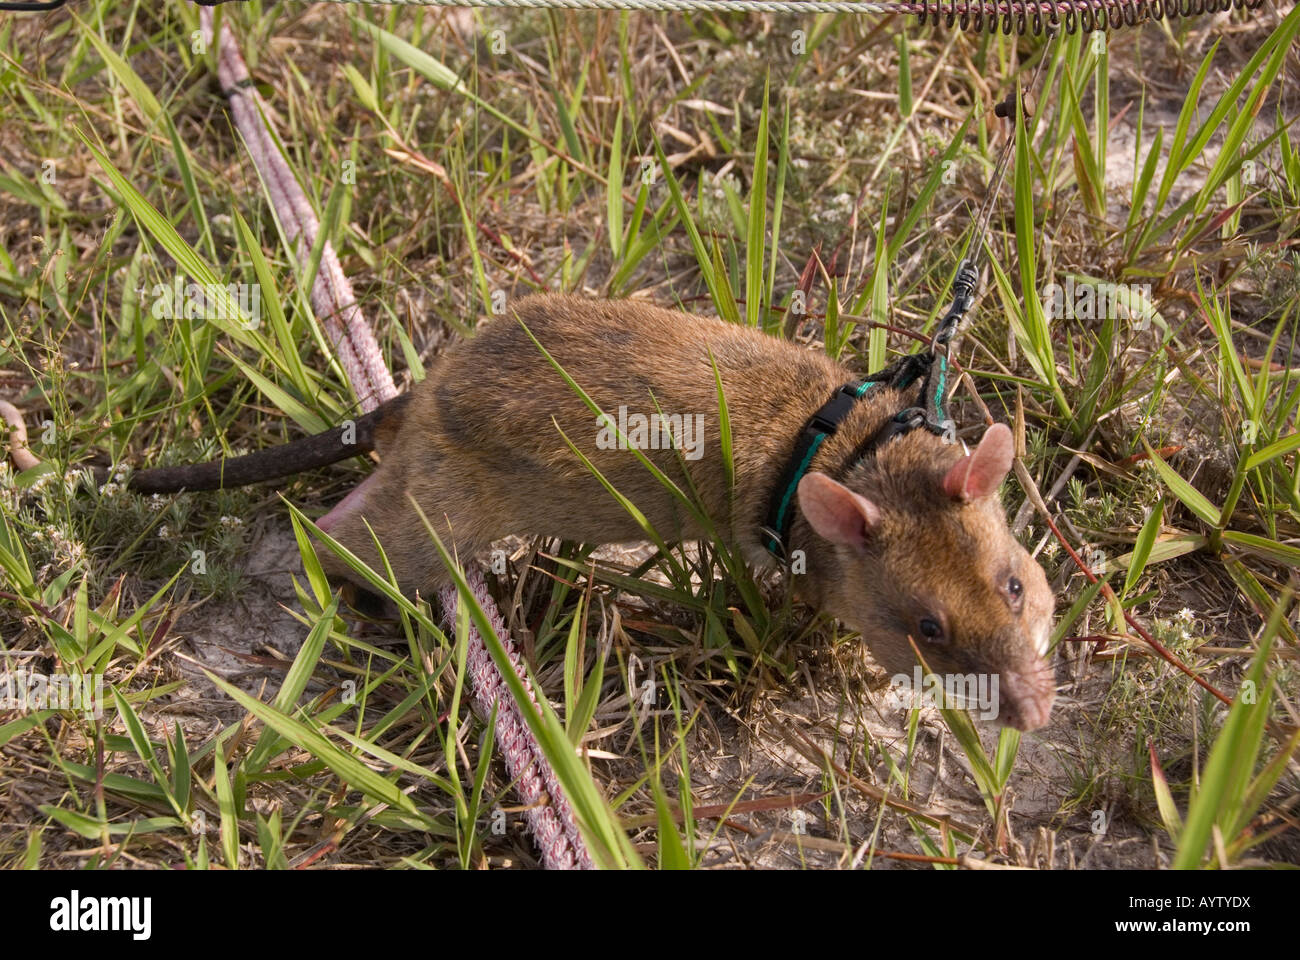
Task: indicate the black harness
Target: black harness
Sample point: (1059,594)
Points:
(929,367)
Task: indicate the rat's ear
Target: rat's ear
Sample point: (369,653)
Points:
(978,474)
(836,512)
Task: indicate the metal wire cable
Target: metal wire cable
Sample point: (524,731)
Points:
(991,16)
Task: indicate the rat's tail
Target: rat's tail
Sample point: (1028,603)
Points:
(350,439)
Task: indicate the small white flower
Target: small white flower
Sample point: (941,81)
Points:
(73,552)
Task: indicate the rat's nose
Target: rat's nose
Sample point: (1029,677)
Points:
(1025,696)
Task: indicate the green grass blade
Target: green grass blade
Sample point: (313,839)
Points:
(1191,498)
(1146,538)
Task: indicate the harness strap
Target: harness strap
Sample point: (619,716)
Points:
(902,373)
(820,425)
(930,367)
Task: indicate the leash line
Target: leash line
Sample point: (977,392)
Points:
(1009,17)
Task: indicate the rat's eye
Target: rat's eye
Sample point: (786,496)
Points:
(930,629)
(1015,591)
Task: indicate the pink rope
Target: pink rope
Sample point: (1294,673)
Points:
(331,293)
(549,814)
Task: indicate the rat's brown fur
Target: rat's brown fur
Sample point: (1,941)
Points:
(480,450)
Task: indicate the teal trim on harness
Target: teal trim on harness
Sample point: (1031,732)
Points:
(941,381)
(779,518)
(930,367)
(794,484)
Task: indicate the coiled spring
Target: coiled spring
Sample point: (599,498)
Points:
(1021,16)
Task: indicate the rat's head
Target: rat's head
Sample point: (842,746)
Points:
(914,546)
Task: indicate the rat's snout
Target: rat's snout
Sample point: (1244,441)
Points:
(1025,695)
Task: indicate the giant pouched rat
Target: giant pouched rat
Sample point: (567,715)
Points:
(907,544)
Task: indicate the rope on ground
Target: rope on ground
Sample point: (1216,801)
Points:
(549,814)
